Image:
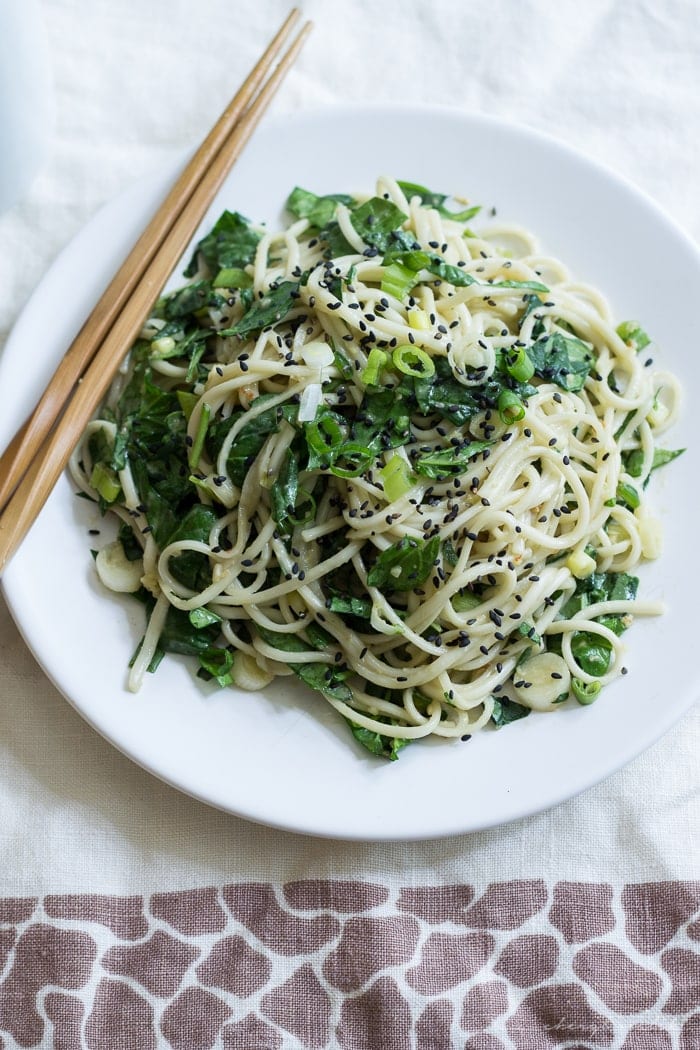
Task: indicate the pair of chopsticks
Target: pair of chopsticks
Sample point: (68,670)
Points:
(39,452)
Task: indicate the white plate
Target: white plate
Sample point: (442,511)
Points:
(283,758)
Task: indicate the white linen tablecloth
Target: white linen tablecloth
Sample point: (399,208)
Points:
(133,916)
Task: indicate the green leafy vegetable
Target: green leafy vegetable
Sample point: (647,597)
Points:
(318,210)
(506,711)
(405,565)
(274,305)
(452,460)
(437,201)
(562,359)
(633,334)
(378,743)
(634,459)
(231,243)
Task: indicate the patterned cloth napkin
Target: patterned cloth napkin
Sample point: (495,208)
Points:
(134,917)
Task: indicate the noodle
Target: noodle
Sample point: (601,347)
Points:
(402,459)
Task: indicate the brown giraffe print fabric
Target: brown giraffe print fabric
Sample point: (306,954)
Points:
(521,965)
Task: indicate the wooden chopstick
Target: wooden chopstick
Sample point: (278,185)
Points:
(19,454)
(112,342)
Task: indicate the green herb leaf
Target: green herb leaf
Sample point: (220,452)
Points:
(383,420)
(437,201)
(230,243)
(349,606)
(318,210)
(592,652)
(633,334)
(506,711)
(562,359)
(203,617)
(452,460)
(375,220)
(217,663)
(405,565)
(378,743)
(273,307)
(191,568)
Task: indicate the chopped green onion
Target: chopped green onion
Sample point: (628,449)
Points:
(164,346)
(397,280)
(580,564)
(418,318)
(105,481)
(187,402)
(413,361)
(232,278)
(203,617)
(304,508)
(633,334)
(351,460)
(585,692)
(465,601)
(323,434)
(628,494)
(510,407)
(375,363)
(397,478)
(198,443)
(518,365)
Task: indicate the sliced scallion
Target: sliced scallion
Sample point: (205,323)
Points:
(628,494)
(397,280)
(324,434)
(585,692)
(413,361)
(351,460)
(198,442)
(397,478)
(518,365)
(510,407)
(376,361)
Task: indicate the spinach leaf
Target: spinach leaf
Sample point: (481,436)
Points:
(187,300)
(383,419)
(405,565)
(179,636)
(561,359)
(378,743)
(634,459)
(350,606)
(283,493)
(318,210)
(190,567)
(506,711)
(248,442)
(442,395)
(273,307)
(230,244)
(601,587)
(418,259)
(452,460)
(324,678)
(592,652)
(377,222)
(437,201)
(216,663)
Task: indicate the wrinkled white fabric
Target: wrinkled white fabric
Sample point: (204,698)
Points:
(135,84)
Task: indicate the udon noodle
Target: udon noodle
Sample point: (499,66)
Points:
(412,458)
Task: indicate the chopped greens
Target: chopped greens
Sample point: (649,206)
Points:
(345,470)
